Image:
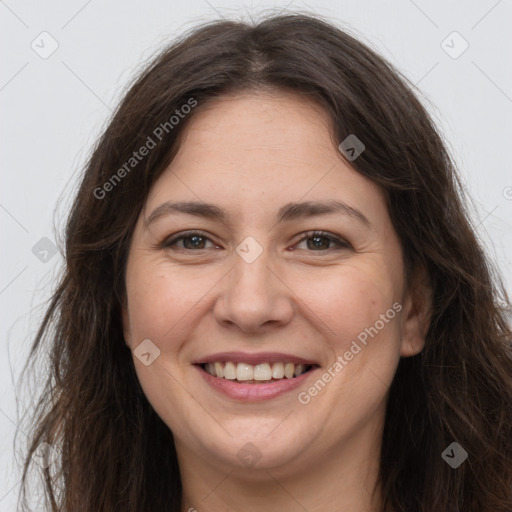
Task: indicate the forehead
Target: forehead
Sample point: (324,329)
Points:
(251,151)
(269,121)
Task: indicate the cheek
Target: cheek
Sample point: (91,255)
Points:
(361,327)
(160,305)
(348,301)
(160,298)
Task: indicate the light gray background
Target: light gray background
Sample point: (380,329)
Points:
(54,108)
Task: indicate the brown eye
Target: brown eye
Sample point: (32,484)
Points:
(321,241)
(192,240)
(317,241)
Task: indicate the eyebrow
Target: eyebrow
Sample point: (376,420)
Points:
(288,212)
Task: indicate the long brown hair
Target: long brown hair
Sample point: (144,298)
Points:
(113,451)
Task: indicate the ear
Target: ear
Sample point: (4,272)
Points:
(417,308)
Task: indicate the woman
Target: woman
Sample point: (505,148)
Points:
(273,298)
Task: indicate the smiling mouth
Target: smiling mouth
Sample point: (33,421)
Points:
(255,374)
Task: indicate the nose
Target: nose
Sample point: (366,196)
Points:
(253,296)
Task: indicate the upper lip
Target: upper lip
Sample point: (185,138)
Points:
(254,358)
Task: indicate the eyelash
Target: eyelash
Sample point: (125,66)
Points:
(342,244)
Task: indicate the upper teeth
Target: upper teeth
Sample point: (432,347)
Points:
(264,371)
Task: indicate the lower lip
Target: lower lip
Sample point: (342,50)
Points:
(254,392)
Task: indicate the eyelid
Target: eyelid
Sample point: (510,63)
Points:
(338,240)
(168,241)
(341,242)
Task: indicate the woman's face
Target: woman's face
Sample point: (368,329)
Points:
(252,286)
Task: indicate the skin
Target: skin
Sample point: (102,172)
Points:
(250,154)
